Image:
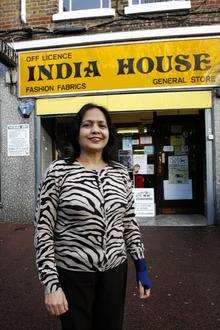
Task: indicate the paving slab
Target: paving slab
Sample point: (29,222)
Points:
(181,220)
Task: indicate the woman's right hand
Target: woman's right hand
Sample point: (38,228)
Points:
(56,302)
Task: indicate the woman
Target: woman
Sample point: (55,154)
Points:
(84,225)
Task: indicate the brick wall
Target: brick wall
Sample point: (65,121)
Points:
(39,16)
(9,14)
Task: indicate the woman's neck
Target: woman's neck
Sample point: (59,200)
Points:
(92,161)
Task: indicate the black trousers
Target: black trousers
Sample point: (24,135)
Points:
(96,300)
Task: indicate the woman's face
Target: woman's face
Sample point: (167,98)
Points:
(93,133)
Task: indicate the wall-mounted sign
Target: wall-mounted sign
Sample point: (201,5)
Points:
(18,138)
(26,107)
(8,55)
(144,65)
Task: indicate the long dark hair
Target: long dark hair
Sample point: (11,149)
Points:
(74,152)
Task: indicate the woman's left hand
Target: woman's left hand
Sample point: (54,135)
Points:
(144,293)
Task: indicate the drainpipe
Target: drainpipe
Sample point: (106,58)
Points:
(23,11)
(37,154)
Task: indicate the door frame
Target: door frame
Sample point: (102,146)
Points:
(209,186)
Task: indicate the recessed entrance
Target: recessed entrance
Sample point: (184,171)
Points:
(165,140)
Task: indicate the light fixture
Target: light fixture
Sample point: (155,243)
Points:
(11,76)
(129,130)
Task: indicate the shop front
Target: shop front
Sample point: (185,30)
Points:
(160,97)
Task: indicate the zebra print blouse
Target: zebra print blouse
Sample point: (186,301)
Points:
(84,220)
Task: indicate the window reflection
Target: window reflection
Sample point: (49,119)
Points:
(66,5)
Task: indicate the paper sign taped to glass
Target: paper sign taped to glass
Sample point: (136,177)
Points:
(144,202)
(149,150)
(146,140)
(125,158)
(127,143)
(178,169)
(174,191)
(140,160)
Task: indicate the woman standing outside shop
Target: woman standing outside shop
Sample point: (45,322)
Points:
(85,223)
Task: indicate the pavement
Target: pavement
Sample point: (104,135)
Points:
(184,266)
(174,220)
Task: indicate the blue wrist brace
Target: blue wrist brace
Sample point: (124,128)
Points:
(142,273)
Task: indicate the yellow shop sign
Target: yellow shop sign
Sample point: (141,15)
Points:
(124,67)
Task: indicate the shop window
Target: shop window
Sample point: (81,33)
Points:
(149,6)
(74,9)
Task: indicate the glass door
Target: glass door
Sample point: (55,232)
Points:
(180,145)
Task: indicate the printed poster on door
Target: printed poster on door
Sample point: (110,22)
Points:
(141,162)
(178,170)
(125,158)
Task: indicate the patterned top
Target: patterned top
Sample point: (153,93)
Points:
(84,220)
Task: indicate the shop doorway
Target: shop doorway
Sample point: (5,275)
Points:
(180,164)
(166,151)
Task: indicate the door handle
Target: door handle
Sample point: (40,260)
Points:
(159,164)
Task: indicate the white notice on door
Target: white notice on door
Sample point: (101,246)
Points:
(18,140)
(177,191)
